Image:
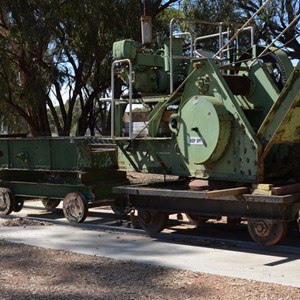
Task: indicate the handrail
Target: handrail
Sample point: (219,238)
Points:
(220,34)
(171,56)
(276,39)
(243,27)
(128,61)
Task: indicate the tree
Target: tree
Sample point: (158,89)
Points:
(272,20)
(22,80)
(45,51)
(277,15)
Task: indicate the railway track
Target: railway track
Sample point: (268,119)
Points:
(213,235)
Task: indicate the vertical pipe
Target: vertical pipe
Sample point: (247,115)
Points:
(146,27)
(130,98)
(144,7)
(252,36)
(112,124)
(112,102)
(171,56)
(221,41)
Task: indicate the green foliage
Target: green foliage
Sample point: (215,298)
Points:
(211,10)
(161,26)
(49,46)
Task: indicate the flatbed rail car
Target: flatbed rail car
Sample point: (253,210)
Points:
(229,121)
(268,215)
(78,171)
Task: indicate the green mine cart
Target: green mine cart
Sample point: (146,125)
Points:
(79,171)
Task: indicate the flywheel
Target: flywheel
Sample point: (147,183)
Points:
(204,129)
(276,61)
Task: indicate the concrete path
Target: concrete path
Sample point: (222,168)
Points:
(242,264)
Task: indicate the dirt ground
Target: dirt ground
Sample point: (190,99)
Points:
(28,272)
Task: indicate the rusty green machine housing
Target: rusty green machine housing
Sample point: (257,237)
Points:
(218,125)
(216,120)
(79,171)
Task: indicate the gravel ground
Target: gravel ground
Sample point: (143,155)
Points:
(28,272)
(35,273)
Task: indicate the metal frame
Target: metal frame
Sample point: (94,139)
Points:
(283,208)
(222,47)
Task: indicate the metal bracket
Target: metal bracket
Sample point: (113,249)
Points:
(202,84)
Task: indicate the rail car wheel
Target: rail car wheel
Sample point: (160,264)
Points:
(277,63)
(266,232)
(19,203)
(121,208)
(197,219)
(152,221)
(7,201)
(75,208)
(50,204)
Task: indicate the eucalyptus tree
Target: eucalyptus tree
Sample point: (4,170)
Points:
(49,48)
(55,53)
(24,40)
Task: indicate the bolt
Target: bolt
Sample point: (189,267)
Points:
(197,65)
(261,228)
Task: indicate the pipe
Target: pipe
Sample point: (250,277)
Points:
(113,95)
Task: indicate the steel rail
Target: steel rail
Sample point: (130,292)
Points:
(197,241)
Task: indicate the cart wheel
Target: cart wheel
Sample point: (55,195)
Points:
(266,232)
(19,203)
(50,204)
(152,221)
(7,201)
(121,208)
(75,208)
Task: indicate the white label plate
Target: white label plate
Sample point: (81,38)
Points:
(197,140)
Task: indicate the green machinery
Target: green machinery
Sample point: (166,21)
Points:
(79,171)
(225,123)
(229,121)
